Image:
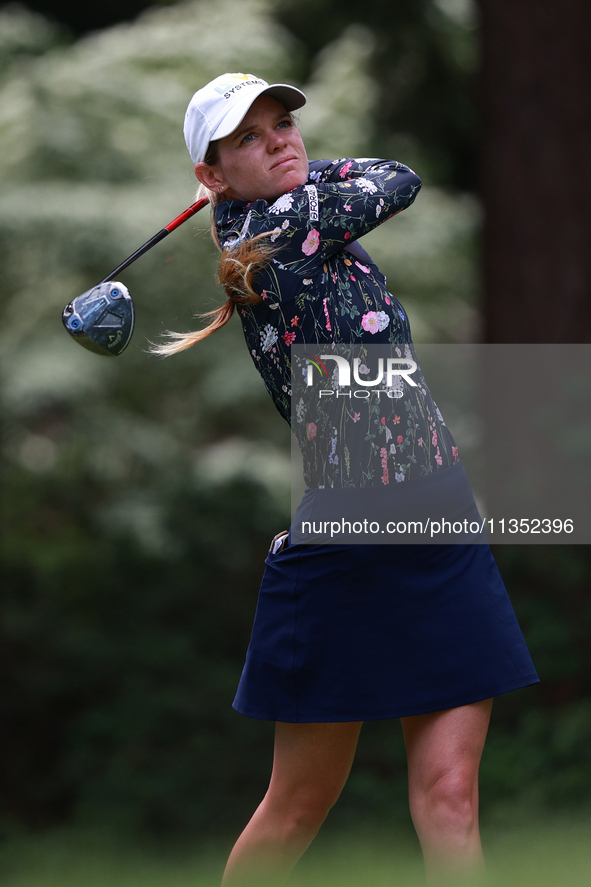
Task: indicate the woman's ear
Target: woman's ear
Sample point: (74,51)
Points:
(210,176)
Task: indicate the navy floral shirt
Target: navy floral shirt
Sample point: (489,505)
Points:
(321,288)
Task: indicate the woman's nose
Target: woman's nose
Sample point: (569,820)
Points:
(276,140)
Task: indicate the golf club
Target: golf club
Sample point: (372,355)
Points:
(102,318)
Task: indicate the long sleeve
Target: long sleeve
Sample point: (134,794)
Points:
(342,201)
(353,197)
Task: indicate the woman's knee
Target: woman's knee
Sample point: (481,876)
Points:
(311,765)
(448,801)
(302,811)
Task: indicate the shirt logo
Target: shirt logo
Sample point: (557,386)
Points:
(312,192)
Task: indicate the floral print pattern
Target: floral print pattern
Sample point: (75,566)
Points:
(311,243)
(375,321)
(321,288)
(282,204)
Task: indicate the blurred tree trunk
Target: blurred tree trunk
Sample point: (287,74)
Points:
(536,170)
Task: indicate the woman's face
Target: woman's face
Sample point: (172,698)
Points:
(263,158)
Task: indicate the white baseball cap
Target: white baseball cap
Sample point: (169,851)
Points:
(219,107)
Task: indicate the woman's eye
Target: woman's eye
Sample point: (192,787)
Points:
(248,137)
(286,124)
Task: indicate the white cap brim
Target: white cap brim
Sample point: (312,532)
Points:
(290,97)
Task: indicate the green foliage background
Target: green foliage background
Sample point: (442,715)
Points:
(138,495)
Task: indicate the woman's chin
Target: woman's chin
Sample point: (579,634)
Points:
(292,179)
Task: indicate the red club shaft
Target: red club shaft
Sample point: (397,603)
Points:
(199,204)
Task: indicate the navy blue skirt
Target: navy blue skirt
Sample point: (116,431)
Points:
(365,632)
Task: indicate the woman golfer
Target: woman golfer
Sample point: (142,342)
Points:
(345,633)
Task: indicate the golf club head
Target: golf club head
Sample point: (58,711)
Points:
(101,319)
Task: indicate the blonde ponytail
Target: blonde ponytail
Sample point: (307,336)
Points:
(239,264)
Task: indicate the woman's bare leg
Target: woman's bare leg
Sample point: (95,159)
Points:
(311,764)
(443,751)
